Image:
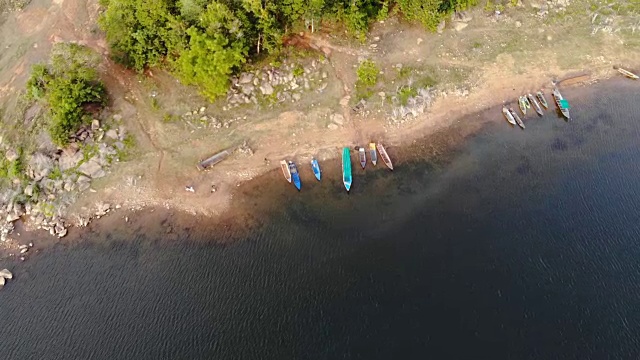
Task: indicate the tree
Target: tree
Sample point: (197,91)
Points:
(216,48)
(269,34)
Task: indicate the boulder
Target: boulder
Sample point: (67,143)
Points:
(459,26)
(245,78)
(296,97)
(83,183)
(12,155)
(95,124)
(67,161)
(40,166)
(266,89)
(28,190)
(112,134)
(92,169)
(332,126)
(338,119)
(247,89)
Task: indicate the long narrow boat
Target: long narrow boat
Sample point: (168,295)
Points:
(316,168)
(563,104)
(522,104)
(285,170)
(536,106)
(363,157)
(517,118)
(295,175)
(385,157)
(508,115)
(542,99)
(346,168)
(628,74)
(373,153)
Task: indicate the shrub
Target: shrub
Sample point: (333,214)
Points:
(367,73)
(67,85)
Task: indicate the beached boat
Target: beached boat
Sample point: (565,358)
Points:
(385,157)
(346,168)
(316,168)
(542,99)
(285,170)
(628,74)
(522,104)
(563,104)
(516,117)
(373,154)
(536,106)
(362,155)
(508,115)
(295,176)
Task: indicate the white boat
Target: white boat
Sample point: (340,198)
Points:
(508,115)
(285,170)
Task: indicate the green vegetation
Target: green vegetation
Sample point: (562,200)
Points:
(67,86)
(203,42)
(406,92)
(367,74)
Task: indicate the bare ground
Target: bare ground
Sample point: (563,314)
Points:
(491,61)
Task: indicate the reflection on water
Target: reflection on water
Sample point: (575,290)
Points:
(521,245)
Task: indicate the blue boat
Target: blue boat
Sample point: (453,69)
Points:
(316,168)
(346,168)
(295,176)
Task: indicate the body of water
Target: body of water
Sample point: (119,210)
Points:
(521,245)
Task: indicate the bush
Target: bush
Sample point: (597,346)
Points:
(367,73)
(67,85)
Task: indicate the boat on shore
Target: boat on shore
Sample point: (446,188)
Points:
(385,157)
(517,118)
(373,153)
(363,157)
(542,99)
(295,176)
(316,168)
(346,168)
(562,103)
(628,74)
(284,166)
(536,106)
(508,116)
(522,104)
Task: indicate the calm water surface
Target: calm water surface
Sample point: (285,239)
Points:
(524,246)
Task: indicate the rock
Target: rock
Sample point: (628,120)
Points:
(324,75)
(69,185)
(202,109)
(28,190)
(117,117)
(12,155)
(119,145)
(332,126)
(112,134)
(245,78)
(67,161)
(296,97)
(102,208)
(247,89)
(266,89)
(40,166)
(418,41)
(306,85)
(459,26)
(92,169)
(294,85)
(6,274)
(11,217)
(463,16)
(441,26)
(95,125)
(338,119)
(518,24)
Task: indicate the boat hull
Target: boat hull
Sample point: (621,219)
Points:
(385,157)
(284,166)
(295,176)
(363,157)
(346,168)
(536,106)
(558,99)
(542,99)
(373,154)
(522,105)
(508,116)
(316,169)
(517,118)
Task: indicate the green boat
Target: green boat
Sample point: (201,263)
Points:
(346,168)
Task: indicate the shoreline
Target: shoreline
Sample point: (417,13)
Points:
(251,204)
